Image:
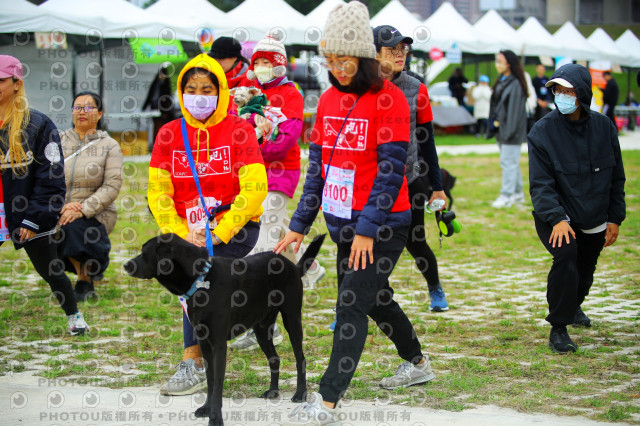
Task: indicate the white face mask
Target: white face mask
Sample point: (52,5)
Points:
(200,106)
(263,74)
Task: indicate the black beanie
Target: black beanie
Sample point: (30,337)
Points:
(225,47)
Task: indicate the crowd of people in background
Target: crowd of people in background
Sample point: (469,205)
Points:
(214,182)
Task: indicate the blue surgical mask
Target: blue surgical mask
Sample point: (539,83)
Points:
(566,104)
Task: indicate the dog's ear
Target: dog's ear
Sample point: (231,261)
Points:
(232,92)
(254,91)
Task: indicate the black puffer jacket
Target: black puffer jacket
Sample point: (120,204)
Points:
(575,167)
(33,200)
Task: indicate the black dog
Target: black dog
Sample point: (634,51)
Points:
(226,297)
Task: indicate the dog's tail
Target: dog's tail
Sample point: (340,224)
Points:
(310,254)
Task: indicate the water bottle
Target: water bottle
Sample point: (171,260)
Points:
(435,205)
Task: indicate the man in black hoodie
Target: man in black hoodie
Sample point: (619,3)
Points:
(576,182)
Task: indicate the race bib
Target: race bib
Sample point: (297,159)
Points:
(337,197)
(197,217)
(4,231)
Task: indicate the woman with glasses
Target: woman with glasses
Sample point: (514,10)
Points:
(508,121)
(357,154)
(93,173)
(424,177)
(32,187)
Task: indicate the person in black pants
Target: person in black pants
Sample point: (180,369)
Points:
(423,170)
(356,173)
(32,188)
(610,96)
(576,180)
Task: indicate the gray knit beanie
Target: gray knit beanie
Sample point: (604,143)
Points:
(348,33)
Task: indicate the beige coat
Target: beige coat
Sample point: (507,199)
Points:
(97,175)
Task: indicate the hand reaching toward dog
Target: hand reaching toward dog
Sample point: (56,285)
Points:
(288,239)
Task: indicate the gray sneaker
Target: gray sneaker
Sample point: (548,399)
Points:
(249,342)
(409,374)
(315,273)
(187,380)
(314,412)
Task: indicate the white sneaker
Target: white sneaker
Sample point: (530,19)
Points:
(77,324)
(409,374)
(249,341)
(187,380)
(315,273)
(517,198)
(314,412)
(501,202)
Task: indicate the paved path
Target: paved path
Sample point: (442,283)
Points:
(30,400)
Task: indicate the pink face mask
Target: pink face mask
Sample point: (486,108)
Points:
(200,106)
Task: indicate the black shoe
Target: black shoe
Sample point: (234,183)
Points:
(559,340)
(84,290)
(581,319)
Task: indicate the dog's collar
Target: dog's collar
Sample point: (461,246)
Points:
(199,282)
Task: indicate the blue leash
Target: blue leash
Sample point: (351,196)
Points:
(194,173)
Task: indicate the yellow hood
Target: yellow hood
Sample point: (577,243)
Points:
(208,63)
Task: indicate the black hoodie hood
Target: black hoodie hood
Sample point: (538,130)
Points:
(580,79)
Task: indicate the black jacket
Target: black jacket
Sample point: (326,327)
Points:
(33,200)
(508,107)
(611,93)
(575,167)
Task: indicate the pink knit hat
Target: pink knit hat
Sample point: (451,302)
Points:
(10,67)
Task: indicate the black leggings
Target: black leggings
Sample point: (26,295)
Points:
(362,293)
(417,241)
(43,254)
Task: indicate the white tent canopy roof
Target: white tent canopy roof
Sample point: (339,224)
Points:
(606,46)
(259,17)
(114,19)
(537,41)
(25,16)
(497,33)
(446,27)
(318,16)
(194,14)
(629,44)
(574,44)
(398,16)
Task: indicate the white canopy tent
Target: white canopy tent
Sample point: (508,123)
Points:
(23,16)
(194,14)
(606,47)
(446,27)
(497,33)
(398,16)
(573,44)
(259,17)
(629,44)
(116,19)
(318,16)
(536,40)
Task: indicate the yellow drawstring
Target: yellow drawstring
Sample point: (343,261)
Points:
(198,144)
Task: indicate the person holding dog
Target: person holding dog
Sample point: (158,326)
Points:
(32,188)
(231,182)
(424,177)
(576,182)
(281,155)
(357,154)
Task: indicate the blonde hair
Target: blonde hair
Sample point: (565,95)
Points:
(16,119)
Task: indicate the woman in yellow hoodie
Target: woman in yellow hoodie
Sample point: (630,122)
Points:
(231,174)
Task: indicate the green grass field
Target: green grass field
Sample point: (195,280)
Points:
(490,348)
